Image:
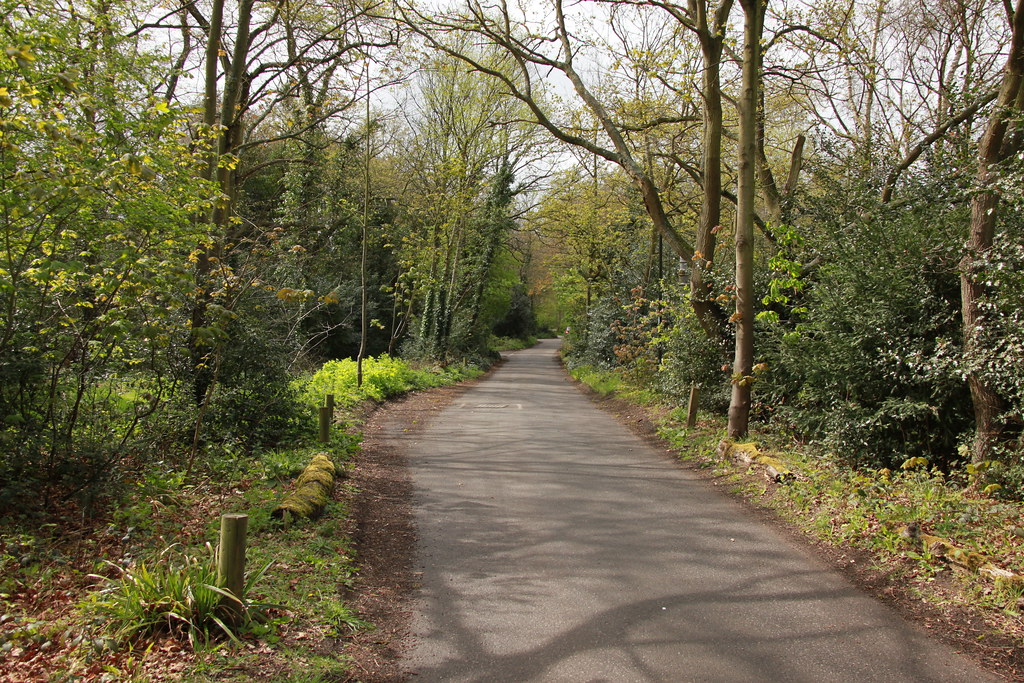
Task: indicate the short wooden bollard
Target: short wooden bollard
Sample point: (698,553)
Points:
(326,414)
(231,562)
(691,410)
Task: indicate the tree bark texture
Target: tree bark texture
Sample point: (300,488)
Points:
(984,214)
(743,363)
(711,39)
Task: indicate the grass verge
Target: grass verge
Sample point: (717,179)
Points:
(924,531)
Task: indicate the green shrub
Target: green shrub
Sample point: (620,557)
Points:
(383,378)
(177,594)
(592,340)
(861,367)
(604,382)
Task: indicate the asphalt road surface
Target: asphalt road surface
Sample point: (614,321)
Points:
(554,545)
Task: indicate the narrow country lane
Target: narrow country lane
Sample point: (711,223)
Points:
(554,545)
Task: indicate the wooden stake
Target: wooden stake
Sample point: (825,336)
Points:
(691,411)
(326,414)
(231,562)
(329,403)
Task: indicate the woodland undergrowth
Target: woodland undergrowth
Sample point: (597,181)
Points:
(131,592)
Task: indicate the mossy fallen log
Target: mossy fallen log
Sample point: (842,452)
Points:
(747,454)
(959,558)
(311,493)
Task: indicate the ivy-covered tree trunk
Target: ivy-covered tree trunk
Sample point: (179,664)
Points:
(198,343)
(224,139)
(495,225)
(984,214)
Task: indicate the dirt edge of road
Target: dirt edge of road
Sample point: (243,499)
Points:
(385,536)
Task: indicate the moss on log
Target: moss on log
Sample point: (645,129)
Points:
(959,558)
(311,493)
(748,454)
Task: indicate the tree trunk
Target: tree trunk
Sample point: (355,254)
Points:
(984,213)
(227,138)
(743,363)
(711,40)
(364,324)
(198,349)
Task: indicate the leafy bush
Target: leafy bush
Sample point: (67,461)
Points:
(177,594)
(999,356)
(690,358)
(255,406)
(864,368)
(383,377)
(592,341)
(92,267)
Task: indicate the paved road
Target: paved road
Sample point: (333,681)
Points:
(556,546)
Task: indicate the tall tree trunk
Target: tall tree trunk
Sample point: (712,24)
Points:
(231,117)
(743,363)
(199,349)
(364,325)
(984,213)
(711,40)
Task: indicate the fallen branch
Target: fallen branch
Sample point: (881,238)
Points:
(748,455)
(960,558)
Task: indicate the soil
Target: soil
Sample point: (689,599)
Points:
(386,539)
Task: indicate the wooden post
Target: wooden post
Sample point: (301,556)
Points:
(325,424)
(329,402)
(691,410)
(231,562)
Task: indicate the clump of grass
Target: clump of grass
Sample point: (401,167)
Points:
(340,619)
(511,343)
(177,594)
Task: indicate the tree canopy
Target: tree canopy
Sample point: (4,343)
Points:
(811,212)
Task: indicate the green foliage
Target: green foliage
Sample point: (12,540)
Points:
(456,236)
(514,315)
(661,345)
(787,281)
(383,377)
(868,509)
(998,358)
(178,594)
(340,618)
(254,403)
(602,381)
(858,359)
(511,343)
(592,340)
(96,199)
(286,464)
